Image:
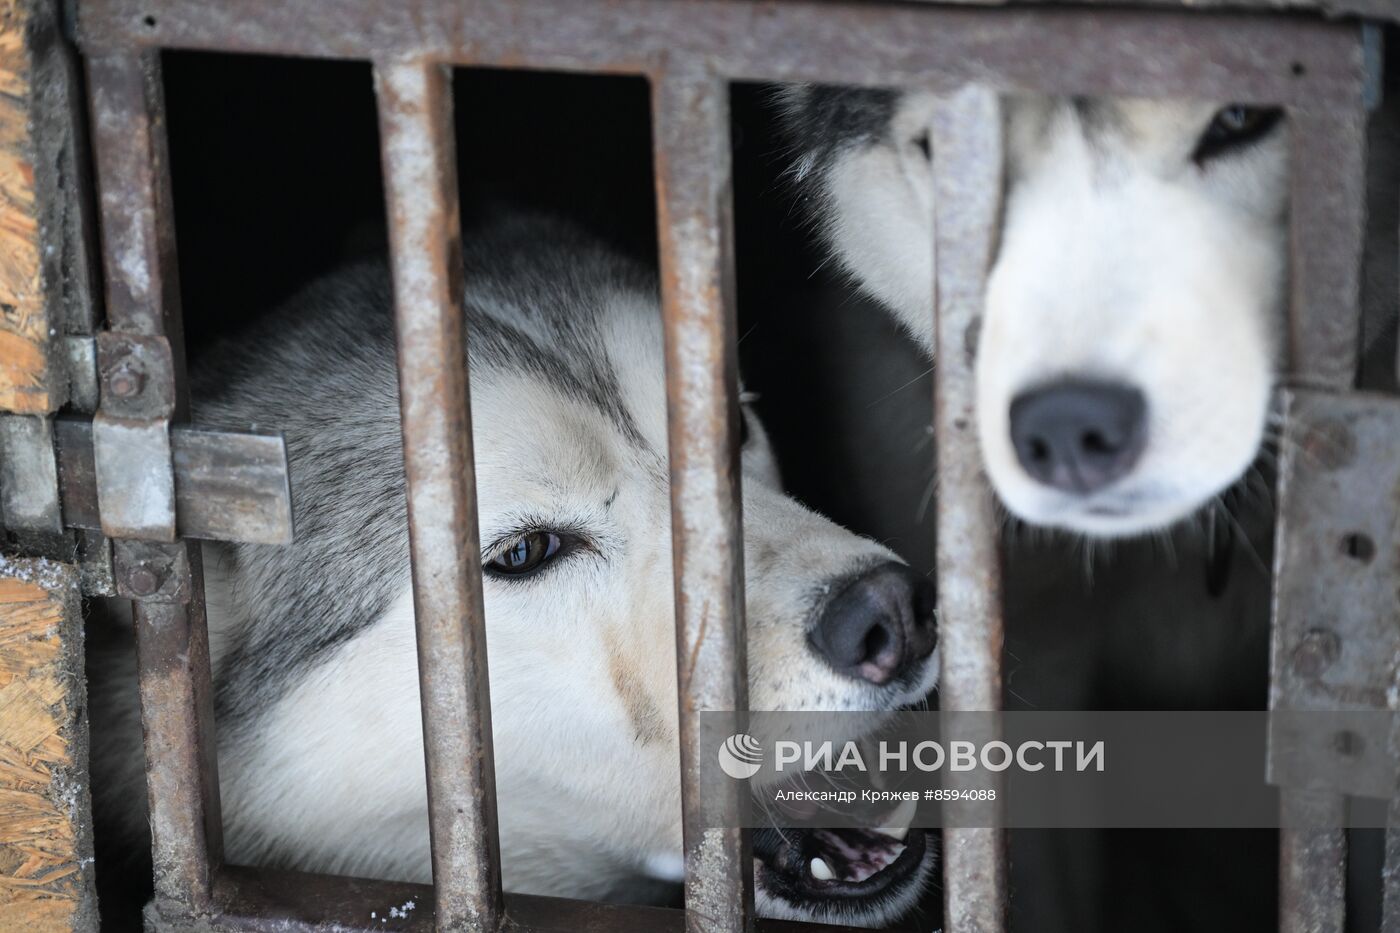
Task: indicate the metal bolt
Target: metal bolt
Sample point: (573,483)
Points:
(1318,651)
(126,381)
(1330,444)
(144,580)
(1348,744)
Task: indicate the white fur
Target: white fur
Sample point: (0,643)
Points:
(331,778)
(1120,259)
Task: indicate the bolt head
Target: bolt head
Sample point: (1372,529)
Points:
(143,580)
(1318,651)
(125,382)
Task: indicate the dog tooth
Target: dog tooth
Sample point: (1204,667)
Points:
(901,820)
(821,870)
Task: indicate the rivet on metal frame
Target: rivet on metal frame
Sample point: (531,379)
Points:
(150,570)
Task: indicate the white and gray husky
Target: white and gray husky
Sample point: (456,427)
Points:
(1133,312)
(319,731)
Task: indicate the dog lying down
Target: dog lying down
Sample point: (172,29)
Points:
(1134,308)
(316,684)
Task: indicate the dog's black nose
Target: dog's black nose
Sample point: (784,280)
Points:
(1079,436)
(879,625)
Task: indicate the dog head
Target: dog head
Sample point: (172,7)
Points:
(570,431)
(1129,344)
(569,409)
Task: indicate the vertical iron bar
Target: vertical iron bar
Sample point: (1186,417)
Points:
(142,297)
(1327,228)
(1312,863)
(1390,875)
(967,148)
(1327,211)
(420,172)
(693,181)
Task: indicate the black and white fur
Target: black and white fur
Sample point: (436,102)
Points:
(1132,249)
(319,731)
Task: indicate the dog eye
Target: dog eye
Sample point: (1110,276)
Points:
(526,554)
(1233,128)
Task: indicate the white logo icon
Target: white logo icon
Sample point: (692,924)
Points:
(740,756)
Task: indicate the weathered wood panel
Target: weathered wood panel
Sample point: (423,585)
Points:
(46,868)
(26,377)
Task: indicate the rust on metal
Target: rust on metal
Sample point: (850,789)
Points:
(1312,864)
(135,462)
(127,111)
(1112,52)
(228,486)
(1390,873)
(1336,596)
(177,718)
(967,143)
(690,115)
(1327,217)
(295,902)
(1316,68)
(136,375)
(415,118)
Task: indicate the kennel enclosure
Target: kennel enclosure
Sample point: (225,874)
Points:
(106,488)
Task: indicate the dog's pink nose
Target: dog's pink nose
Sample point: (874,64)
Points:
(1079,436)
(879,625)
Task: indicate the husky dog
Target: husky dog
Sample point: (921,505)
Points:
(312,645)
(1129,346)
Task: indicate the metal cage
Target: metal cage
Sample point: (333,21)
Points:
(136,476)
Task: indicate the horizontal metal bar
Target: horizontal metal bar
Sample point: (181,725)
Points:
(968,159)
(1224,56)
(248,899)
(29,498)
(690,114)
(415,119)
(1379,9)
(228,486)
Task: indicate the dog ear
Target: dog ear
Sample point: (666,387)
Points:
(1220,551)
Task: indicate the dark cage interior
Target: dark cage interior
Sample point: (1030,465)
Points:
(277,178)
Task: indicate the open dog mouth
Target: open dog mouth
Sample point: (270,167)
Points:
(853,873)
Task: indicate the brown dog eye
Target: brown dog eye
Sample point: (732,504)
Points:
(1233,128)
(526,554)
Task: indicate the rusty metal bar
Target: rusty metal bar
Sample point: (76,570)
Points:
(295,902)
(1390,874)
(1327,227)
(127,104)
(128,134)
(228,486)
(420,171)
(1153,53)
(1327,231)
(967,146)
(1312,864)
(177,718)
(690,114)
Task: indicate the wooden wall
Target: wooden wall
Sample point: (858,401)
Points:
(46,865)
